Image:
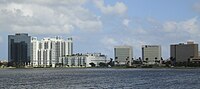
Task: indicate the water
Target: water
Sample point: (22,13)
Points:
(99,78)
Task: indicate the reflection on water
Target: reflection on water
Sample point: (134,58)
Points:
(99,78)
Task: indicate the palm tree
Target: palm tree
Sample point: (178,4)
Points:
(147,60)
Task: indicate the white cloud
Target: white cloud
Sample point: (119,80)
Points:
(119,7)
(109,41)
(89,25)
(16,8)
(170,26)
(126,22)
(140,30)
(54,29)
(190,26)
(52,17)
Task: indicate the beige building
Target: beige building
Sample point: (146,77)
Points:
(123,55)
(183,52)
(151,54)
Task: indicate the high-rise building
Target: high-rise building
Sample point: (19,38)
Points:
(183,52)
(46,53)
(123,55)
(19,49)
(151,54)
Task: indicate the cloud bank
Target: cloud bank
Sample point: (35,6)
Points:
(47,17)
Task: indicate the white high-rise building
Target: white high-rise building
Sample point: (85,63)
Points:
(151,54)
(46,53)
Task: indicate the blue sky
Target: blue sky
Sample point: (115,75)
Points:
(99,25)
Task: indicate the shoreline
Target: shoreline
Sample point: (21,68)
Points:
(121,67)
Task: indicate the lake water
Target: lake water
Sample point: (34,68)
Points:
(89,78)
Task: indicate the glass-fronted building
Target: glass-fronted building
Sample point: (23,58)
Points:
(19,49)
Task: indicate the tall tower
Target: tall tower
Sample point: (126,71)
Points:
(19,49)
(46,53)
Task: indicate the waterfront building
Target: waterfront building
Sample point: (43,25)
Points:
(181,53)
(46,53)
(82,60)
(151,54)
(19,49)
(75,60)
(95,58)
(123,55)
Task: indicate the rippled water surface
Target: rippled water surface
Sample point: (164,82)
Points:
(99,78)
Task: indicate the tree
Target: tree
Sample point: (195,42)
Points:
(161,60)
(111,63)
(140,60)
(92,64)
(146,60)
(127,61)
(173,61)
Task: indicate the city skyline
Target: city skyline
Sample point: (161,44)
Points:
(99,25)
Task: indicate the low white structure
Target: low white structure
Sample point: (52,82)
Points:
(95,58)
(77,60)
(82,60)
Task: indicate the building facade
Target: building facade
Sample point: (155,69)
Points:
(183,52)
(46,53)
(151,54)
(19,49)
(95,58)
(82,60)
(123,55)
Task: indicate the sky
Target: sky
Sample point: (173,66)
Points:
(99,25)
